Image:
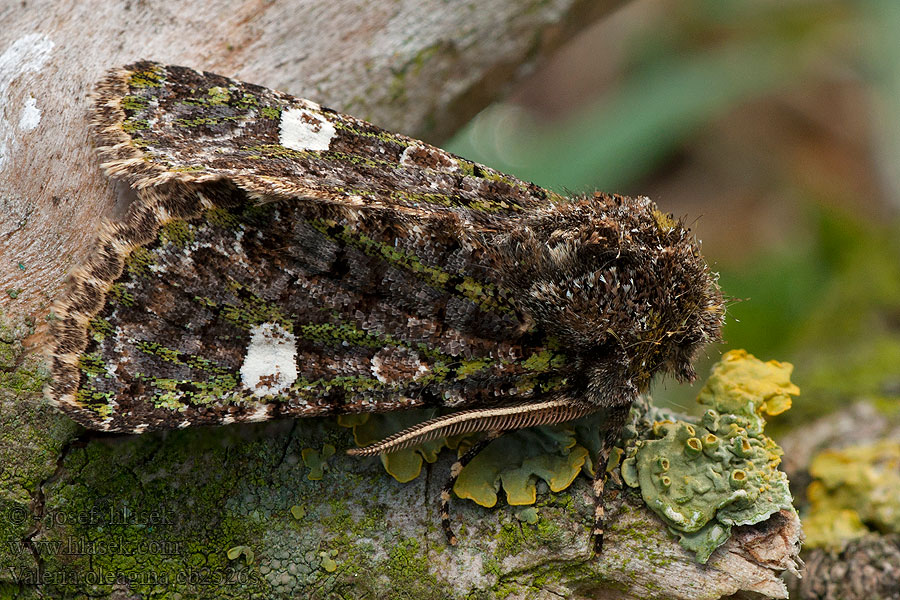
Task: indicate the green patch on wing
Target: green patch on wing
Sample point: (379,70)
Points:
(326,157)
(178,233)
(483,294)
(92,365)
(131,125)
(271,112)
(139,262)
(384,136)
(151,77)
(174,394)
(134,103)
(100,329)
(249,310)
(120,293)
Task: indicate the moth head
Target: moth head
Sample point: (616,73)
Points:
(621,286)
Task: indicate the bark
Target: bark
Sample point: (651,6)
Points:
(867,568)
(231,512)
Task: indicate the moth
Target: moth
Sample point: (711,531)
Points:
(281,259)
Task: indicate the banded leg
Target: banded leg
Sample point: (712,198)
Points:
(615,424)
(455,470)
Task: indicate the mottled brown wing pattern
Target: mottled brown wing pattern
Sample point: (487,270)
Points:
(163,123)
(249,311)
(284,259)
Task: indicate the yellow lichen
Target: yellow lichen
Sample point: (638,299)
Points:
(854,487)
(740,383)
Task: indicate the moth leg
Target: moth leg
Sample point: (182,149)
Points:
(615,424)
(455,470)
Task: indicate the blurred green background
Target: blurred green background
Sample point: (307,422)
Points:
(773,127)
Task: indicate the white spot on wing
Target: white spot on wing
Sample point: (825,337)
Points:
(270,365)
(303,130)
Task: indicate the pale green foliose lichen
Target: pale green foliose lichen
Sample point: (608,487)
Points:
(317,460)
(704,476)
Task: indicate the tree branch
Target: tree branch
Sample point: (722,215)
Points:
(229,512)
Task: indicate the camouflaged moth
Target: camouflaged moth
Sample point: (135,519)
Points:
(282,259)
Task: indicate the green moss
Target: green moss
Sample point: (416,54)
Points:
(20,371)
(32,435)
(153,530)
(409,571)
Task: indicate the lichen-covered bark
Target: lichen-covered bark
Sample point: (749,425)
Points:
(866,569)
(843,467)
(230,512)
(165,511)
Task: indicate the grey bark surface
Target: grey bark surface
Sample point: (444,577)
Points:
(235,504)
